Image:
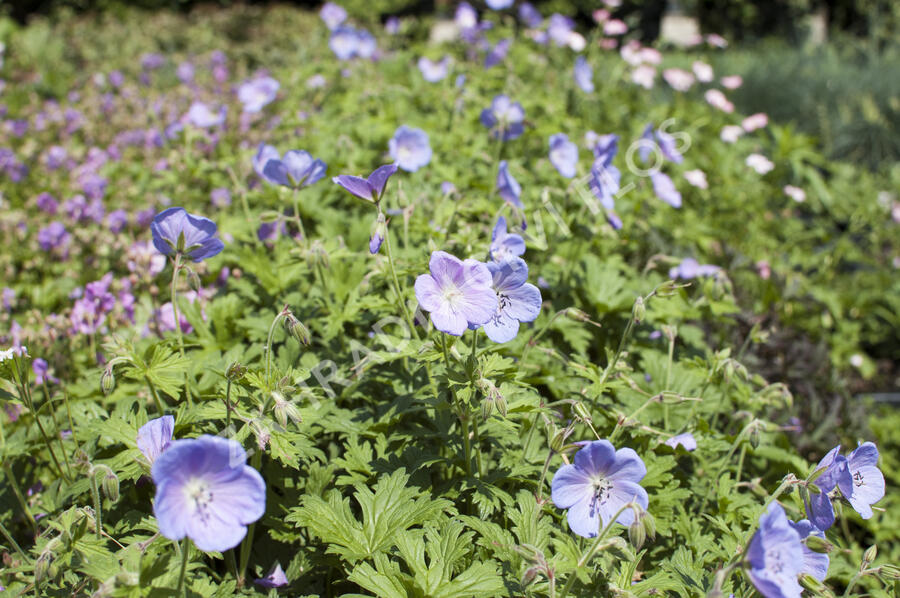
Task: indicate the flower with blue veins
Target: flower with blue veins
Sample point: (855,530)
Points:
(508,187)
(505,245)
(814,563)
(297,169)
(865,484)
(409,148)
(584,75)
(563,154)
(518,300)
(775,556)
(833,468)
(504,118)
(175,232)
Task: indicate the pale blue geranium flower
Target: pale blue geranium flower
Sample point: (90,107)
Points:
(202,116)
(598,483)
(457,293)
(504,118)
(689,268)
(297,169)
(177,232)
(275,578)
(604,178)
(865,485)
(814,563)
(369,189)
(518,300)
(563,154)
(584,74)
(155,436)
(434,71)
(686,440)
(507,186)
(207,492)
(257,93)
(333,15)
(834,469)
(409,148)
(505,245)
(665,189)
(775,556)
(499,4)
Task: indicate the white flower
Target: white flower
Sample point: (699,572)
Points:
(795,193)
(759,163)
(13,351)
(697,178)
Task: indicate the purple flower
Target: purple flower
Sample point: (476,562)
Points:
(665,189)
(185,72)
(205,491)
(366,45)
(498,53)
(775,556)
(599,482)
(257,93)
(434,71)
(508,187)
(504,118)
(47,203)
(275,578)
(176,231)
(686,440)
(814,563)
(155,436)
(563,154)
(265,153)
(9,298)
(344,42)
(41,370)
(370,189)
(297,169)
(117,220)
(379,228)
(518,300)
(499,4)
(604,177)
(200,115)
(559,29)
(409,148)
(333,15)
(529,15)
(865,485)
(165,316)
(689,268)
(465,16)
(89,312)
(584,75)
(220,197)
(151,61)
(53,236)
(457,292)
(505,245)
(834,470)
(55,157)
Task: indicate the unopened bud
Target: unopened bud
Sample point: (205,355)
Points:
(573,313)
(581,412)
(296,329)
(529,576)
(194,280)
(811,583)
(235,371)
(819,544)
(285,410)
(636,534)
(869,555)
(42,568)
(487,406)
(261,431)
(111,486)
(649,524)
(559,439)
(317,255)
(107,381)
(379,229)
(640,311)
(890,571)
(754,437)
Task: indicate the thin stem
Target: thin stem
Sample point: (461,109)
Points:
(740,469)
(544,475)
(98,507)
(463,417)
(668,379)
(390,257)
(14,484)
(25,396)
(269,340)
(478,463)
(156,399)
(48,402)
(185,553)
(228,406)
(247,544)
(69,414)
(232,564)
(176,267)
(13,543)
(297,213)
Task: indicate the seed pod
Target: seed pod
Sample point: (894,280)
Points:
(285,410)
(296,329)
(107,381)
(890,571)
(110,486)
(869,555)
(573,313)
(529,576)
(811,583)
(639,311)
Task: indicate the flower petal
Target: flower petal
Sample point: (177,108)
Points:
(569,486)
(595,457)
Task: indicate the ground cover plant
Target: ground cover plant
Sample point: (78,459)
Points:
(307,304)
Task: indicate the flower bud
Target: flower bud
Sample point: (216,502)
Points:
(529,576)
(573,313)
(649,524)
(559,439)
(811,583)
(487,406)
(890,571)
(378,233)
(285,410)
(581,412)
(869,555)
(110,486)
(636,534)
(639,311)
(43,568)
(235,371)
(107,381)
(194,280)
(316,255)
(754,437)
(296,329)
(819,544)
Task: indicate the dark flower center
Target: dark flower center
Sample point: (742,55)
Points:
(858,479)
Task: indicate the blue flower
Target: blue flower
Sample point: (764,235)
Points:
(518,300)
(457,293)
(297,169)
(504,118)
(651,139)
(865,484)
(207,492)
(155,436)
(370,189)
(834,470)
(563,155)
(177,232)
(775,556)
(599,482)
(434,71)
(264,153)
(409,148)
(499,4)
(200,115)
(257,93)
(529,15)
(344,42)
(332,14)
(584,75)
(604,177)
(508,187)
(498,53)
(665,189)
(814,563)
(505,245)
(689,268)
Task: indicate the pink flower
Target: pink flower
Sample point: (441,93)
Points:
(731,133)
(703,71)
(717,99)
(795,193)
(697,178)
(732,81)
(644,75)
(717,41)
(615,27)
(763,269)
(755,121)
(601,15)
(759,163)
(678,79)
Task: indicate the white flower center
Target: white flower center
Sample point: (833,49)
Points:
(451,294)
(199,495)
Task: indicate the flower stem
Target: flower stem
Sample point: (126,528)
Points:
(247,544)
(269,340)
(185,553)
(390,257)
(62,448)
(156,399)
(175,268)
(544,475)
(13,543)
(228,409)
(595,546)
(98,507)
(25,396)
(297,213)
(463,417)
(11,478)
